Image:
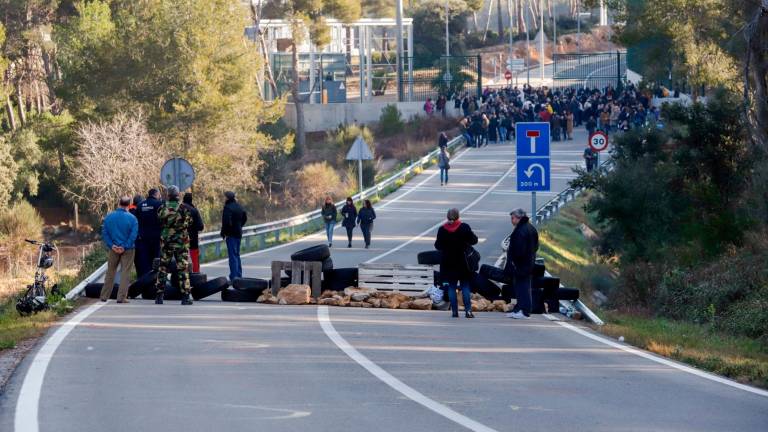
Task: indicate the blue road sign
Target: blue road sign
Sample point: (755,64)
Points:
(532,139)
(533,175)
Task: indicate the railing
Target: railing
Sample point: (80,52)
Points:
(273,233)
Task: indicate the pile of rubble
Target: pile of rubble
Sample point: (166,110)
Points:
(371,298)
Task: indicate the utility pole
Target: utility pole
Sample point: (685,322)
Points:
(541,41)
(399,22)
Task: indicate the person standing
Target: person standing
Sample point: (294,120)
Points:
(194,230)
(569,125)
(330,215)
(233,218)
(136,211)
(119,233)
(453,239)
(442,140)
(444,163)
(590,158)
(365,218)
(175,220)
(149,232)
(521,255)
(349,215)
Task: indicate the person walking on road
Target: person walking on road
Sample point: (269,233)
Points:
(365,218)
(444,163)
(174,244)
(233,218)
(330,215)
(521,255)
(119,233)
(590,158)
(194,230)
(349,221)
(149,232)
(453,240)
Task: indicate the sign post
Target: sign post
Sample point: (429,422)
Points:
(177,172)
(598,141)
(360,152)
(533,159)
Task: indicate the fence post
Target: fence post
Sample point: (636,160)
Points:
(618,70)
(479,77)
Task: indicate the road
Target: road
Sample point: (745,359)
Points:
(243,367)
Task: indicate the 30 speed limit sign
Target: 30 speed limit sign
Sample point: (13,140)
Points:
(598,141)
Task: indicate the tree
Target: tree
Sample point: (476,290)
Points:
(114,158)
(429,29)
(307,21)
(186,64)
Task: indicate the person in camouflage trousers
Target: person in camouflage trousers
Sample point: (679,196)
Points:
(175,220)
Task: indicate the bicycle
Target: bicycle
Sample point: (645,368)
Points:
(35,298)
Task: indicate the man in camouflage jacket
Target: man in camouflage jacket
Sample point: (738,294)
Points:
(175,220)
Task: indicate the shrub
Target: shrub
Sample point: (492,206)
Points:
(18,222)
(390,121)
(314,182)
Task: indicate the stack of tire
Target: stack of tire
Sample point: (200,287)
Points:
(544,289)
(145,286)
(336,279)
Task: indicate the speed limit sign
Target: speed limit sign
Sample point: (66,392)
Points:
(598,141)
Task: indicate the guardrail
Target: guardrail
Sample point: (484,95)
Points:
(272,233)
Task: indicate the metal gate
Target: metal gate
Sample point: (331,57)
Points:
(449,75)
(594,70)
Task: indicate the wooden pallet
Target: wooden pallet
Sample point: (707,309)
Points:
(407,279)
(302,273)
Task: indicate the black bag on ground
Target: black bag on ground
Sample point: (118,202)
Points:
(314,253)
(93,290)
(236,295)
(209,288)
(429,257)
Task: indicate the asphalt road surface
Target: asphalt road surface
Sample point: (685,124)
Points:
(250,367)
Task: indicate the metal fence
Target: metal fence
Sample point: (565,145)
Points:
(595,70)
(449,75)
(256,237)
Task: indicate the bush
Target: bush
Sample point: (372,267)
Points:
(18,222)
(313,183)
(390,121)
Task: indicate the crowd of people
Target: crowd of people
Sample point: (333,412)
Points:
(153,234)
(491,117)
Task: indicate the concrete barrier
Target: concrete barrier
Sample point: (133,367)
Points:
(322,117)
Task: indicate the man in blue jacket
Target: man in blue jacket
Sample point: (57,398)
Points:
(119,234)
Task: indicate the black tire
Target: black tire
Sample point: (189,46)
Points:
(236,295)
(284,282)
(494,274)
(93,290)
(567,294)
(171,292)
(209,288)
(537,301)
(339,279)
(196,279)
(250,284)
(429,257)
(483,286)
(327,264)
(314,253)
(547,283)
(508,292)
(140,284)
(539,268)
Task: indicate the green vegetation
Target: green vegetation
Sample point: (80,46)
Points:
(571,255)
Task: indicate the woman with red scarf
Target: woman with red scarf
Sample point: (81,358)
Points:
(453,240)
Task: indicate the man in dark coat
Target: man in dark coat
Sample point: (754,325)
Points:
(521,255)
(233,219)
(148,247)
(453,239)
(194,229)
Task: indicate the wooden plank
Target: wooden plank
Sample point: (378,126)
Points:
(296,273)
(277,267)
(317,269)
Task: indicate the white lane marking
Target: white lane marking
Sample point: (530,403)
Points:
(338,226)
(437,225)
(660,360)
(390,380)
(29,396)
(397,198)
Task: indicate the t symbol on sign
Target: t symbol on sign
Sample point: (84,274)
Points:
(532,134)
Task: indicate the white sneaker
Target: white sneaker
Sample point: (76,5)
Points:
(517,315)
